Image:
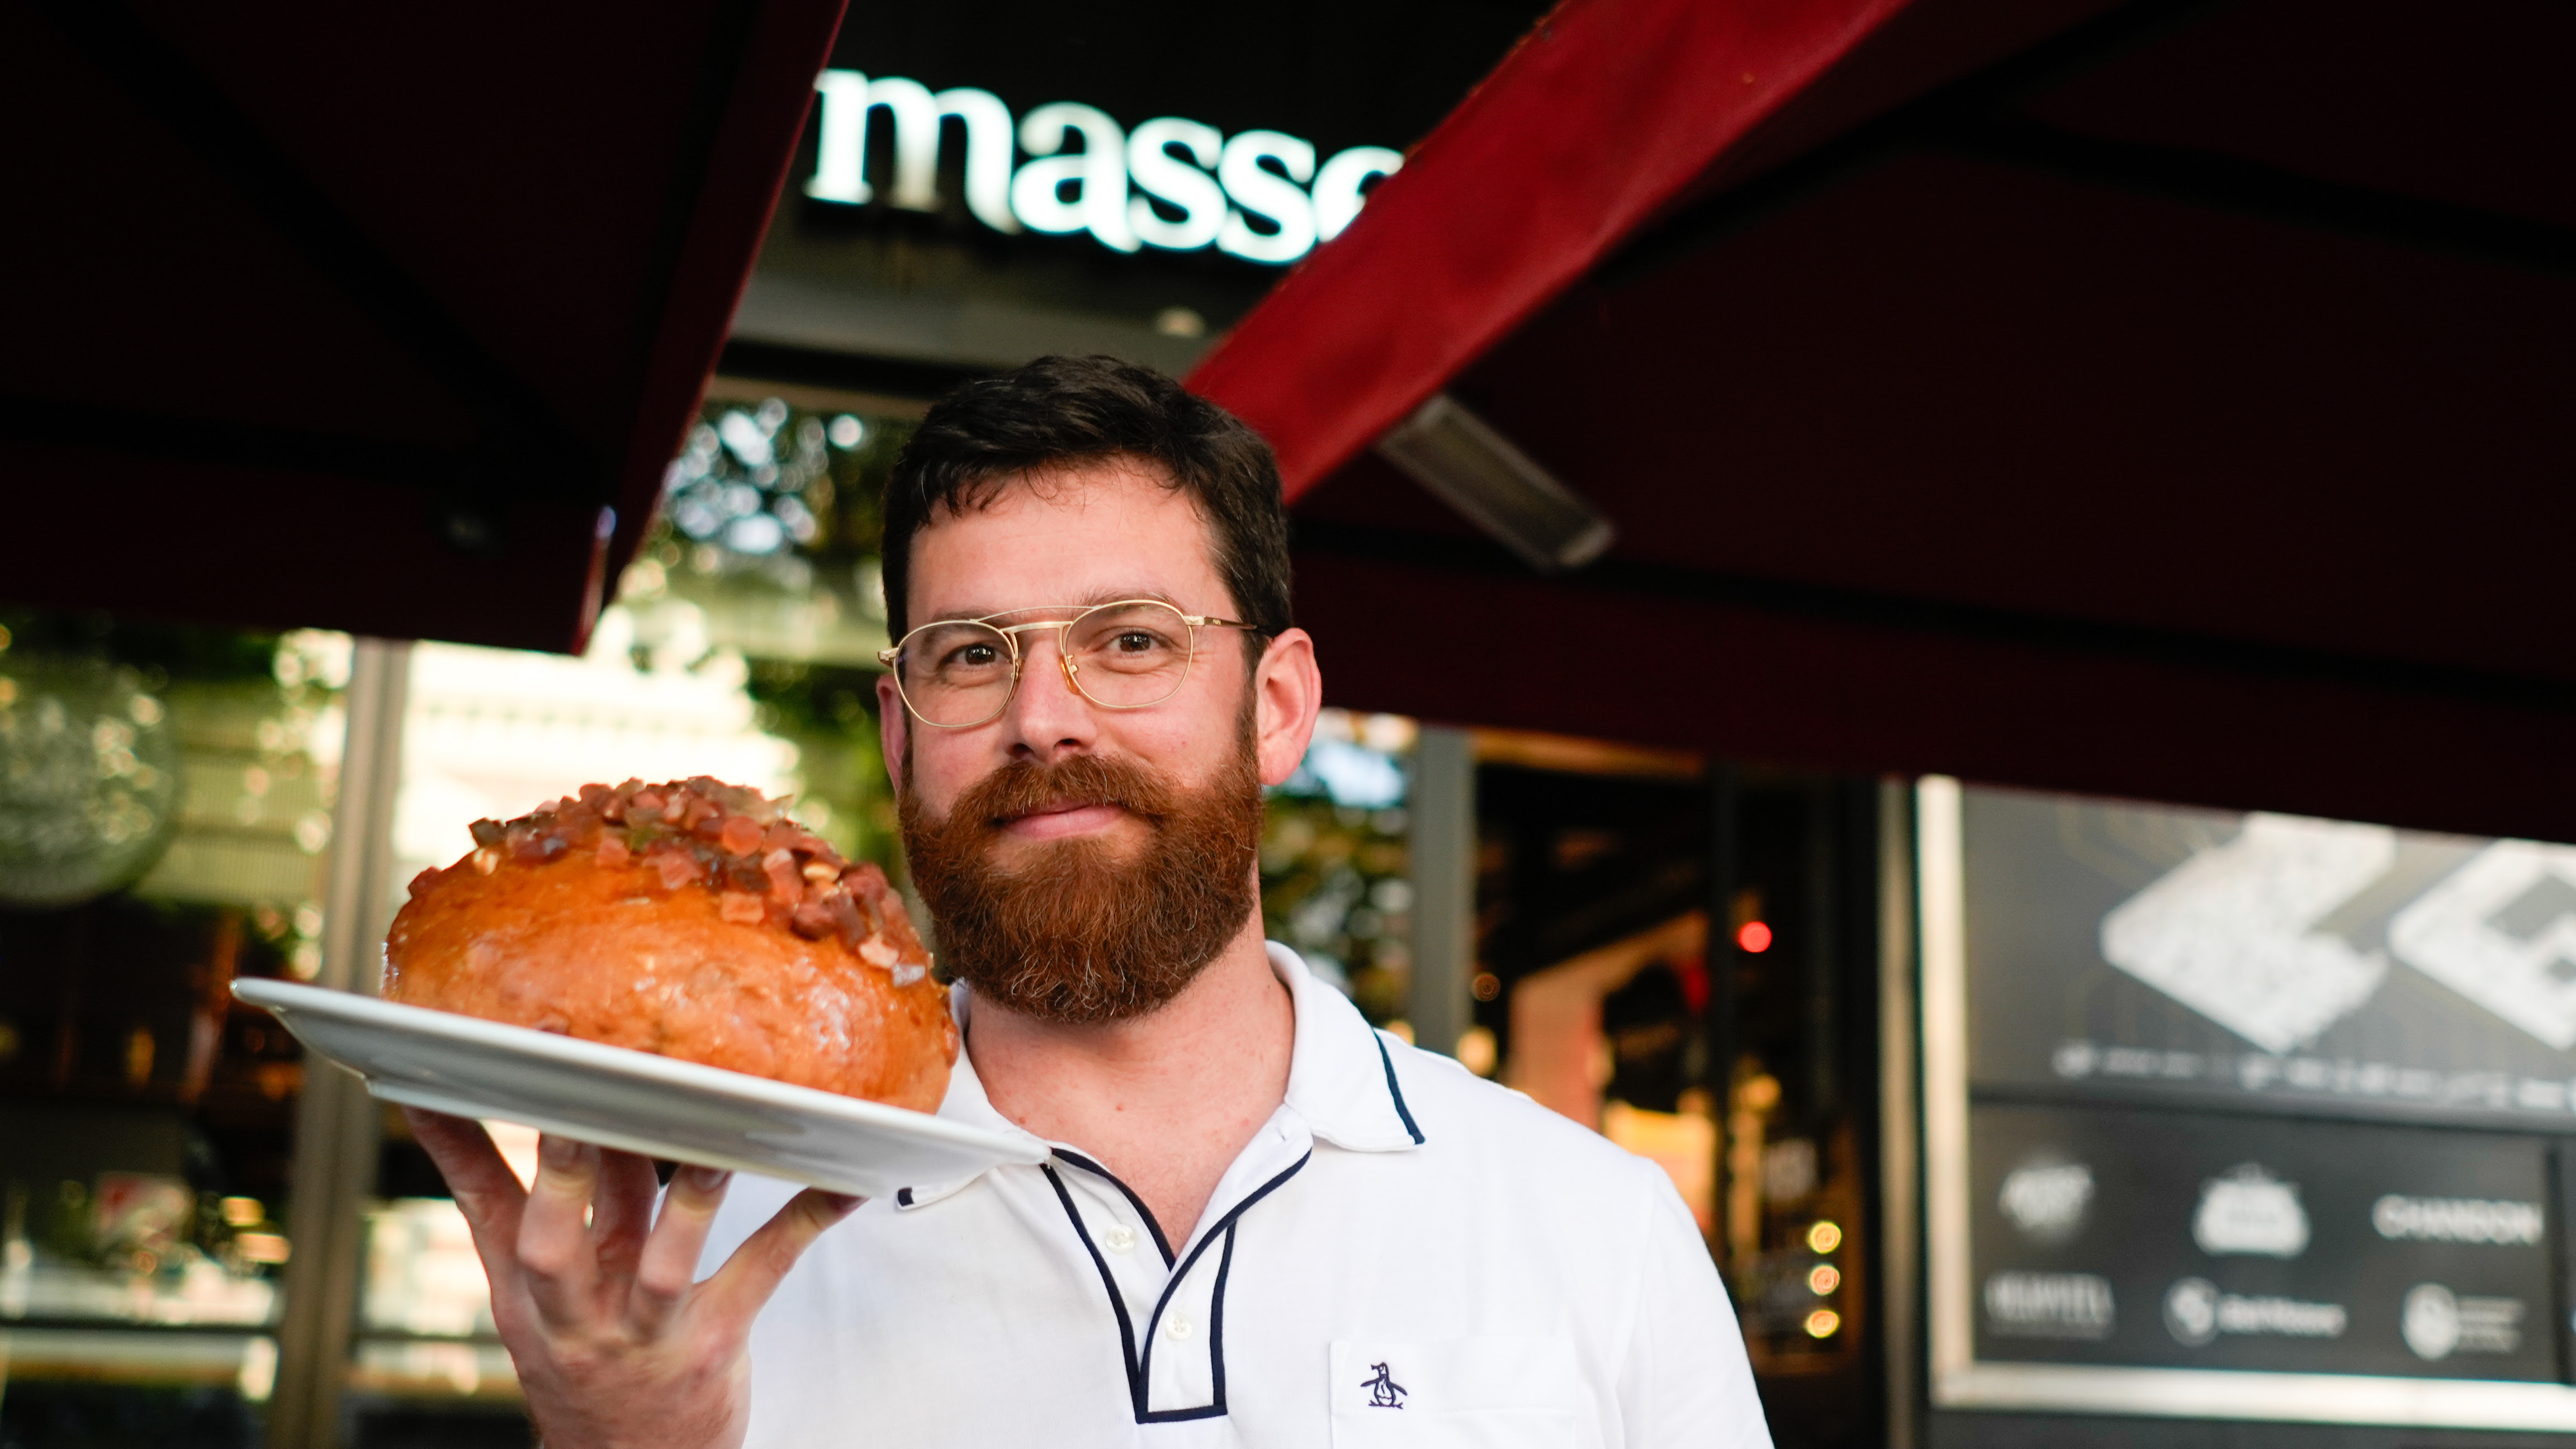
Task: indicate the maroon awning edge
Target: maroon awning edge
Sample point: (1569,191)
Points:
(1602,116)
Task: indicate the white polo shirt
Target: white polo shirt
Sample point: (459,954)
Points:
(1404,1255)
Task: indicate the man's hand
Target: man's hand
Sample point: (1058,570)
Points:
(615,1343)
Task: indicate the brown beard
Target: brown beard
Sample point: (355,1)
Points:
(1073,933)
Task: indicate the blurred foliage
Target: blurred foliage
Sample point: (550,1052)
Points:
(772,521)
(1334,885)
(797,698)
(829,712)
(758,481)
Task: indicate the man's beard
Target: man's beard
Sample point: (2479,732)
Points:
(1072,933)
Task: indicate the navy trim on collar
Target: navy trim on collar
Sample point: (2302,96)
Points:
(1138,1203)
(1117,1303)
(1330,1083)
(1397,1092)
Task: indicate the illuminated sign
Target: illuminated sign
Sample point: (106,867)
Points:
(1173,184)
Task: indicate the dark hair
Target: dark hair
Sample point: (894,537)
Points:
(1080,409)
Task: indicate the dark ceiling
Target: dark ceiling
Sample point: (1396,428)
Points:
(2171,402)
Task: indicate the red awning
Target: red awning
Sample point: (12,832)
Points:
(367,317)
(2167,399)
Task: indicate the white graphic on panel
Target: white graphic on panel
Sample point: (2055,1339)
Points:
(2197,1312)
(2501,931)
(2456,1220)
(2049,1305)
(2047,1200)
(2191,1311)
(2436,1322)
(2431,1321)
(2230,932)
(2248,1210)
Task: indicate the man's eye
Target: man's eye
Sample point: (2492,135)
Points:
(975,656)
(1136,641)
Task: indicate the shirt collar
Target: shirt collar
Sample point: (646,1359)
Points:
(1341,1078)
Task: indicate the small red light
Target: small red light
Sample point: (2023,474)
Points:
(1754,937)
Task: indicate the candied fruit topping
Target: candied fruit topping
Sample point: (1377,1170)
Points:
(764,867)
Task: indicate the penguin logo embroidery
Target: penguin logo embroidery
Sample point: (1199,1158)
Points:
(1384,1391)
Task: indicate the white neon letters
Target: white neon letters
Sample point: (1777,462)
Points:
(1184,184)
(1098,175)
(1246,195)
(1268,194)
(840,160)
(988,155)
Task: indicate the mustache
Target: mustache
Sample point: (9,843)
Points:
(1027,787)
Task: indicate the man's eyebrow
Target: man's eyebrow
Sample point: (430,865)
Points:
(1113,596)
(1096,596)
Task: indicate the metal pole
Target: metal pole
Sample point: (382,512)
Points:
(1442,851)
(335,1119)
(1900,1274)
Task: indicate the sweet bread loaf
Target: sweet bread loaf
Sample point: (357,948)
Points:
(690,919)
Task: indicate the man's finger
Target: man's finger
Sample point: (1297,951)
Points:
(747,1279)
(621,1210)
(669,1266)
(556,1259)
(486,1191)
(465,1156)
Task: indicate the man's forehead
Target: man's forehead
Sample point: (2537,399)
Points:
(1081,533)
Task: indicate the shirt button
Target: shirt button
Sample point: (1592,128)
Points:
(1178,1327)
(1121,1239)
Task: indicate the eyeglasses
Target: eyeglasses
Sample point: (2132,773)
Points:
(955,674)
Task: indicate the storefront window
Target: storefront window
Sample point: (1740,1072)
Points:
(1681,956)
(166,807)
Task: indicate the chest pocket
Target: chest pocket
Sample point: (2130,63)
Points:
(1456,1393)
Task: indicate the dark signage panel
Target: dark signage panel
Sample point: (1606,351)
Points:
(2180,1240)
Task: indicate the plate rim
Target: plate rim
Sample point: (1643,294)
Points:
(282,997)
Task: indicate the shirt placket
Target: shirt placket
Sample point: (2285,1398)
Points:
(1126,1244)
(1175,1312)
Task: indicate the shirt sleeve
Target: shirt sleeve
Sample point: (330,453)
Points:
(1686,1379)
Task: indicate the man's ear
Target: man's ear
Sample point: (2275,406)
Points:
(1287,692)
(894,730)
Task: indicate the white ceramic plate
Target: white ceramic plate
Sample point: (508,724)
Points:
(630,1099)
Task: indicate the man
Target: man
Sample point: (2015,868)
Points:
(1260,1222)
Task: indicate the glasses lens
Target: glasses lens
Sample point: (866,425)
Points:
(1127,655)
(955,673)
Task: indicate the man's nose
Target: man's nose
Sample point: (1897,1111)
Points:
(1048,716)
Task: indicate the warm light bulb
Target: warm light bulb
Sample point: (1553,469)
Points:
(1823,1322)
(1825,1236)
(1754,936)
(1824,1279)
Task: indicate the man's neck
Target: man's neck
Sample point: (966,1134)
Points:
(1166,1101)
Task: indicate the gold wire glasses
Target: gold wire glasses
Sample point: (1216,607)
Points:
(955,674)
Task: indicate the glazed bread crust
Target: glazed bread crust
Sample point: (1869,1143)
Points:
(593,921)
